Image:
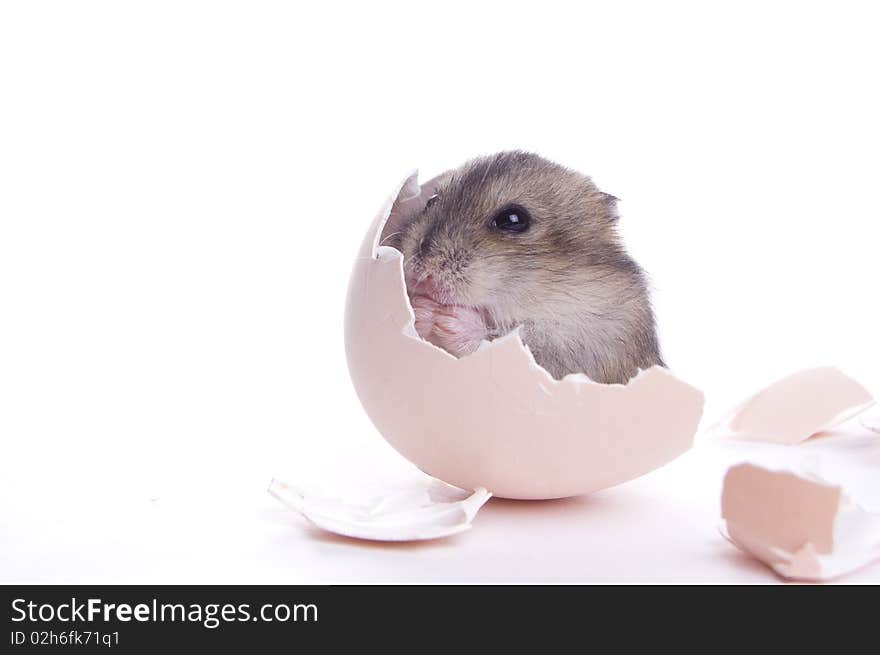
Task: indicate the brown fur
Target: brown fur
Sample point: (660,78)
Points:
(582,302)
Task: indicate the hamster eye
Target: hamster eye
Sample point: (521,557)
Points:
(431,201)
(512,219)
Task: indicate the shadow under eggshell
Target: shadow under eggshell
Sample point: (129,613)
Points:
(496,419)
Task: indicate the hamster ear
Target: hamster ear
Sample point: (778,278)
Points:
(610,200)
(611,204)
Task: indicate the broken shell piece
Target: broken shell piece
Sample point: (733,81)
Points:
(797,407)
(495,418)
(799,525)
(429,510)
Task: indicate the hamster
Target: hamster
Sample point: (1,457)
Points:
(514,240)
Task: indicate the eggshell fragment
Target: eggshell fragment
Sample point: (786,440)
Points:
(496,419)
(797,407)
(799,525)
(429,510)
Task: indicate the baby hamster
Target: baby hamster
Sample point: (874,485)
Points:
(513,239)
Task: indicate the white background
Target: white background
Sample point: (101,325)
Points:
(183,187)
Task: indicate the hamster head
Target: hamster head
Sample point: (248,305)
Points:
(511,234)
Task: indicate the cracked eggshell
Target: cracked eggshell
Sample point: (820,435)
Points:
(801,526)
(495,419)
(797,407)
(429,510)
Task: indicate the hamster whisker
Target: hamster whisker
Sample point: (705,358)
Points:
(393,234)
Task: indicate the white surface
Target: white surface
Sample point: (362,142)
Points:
(183,187)
(660,528)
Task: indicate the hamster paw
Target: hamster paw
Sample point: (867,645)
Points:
(458,330)
(425,309)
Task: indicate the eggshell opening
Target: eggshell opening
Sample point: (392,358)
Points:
(495,418)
